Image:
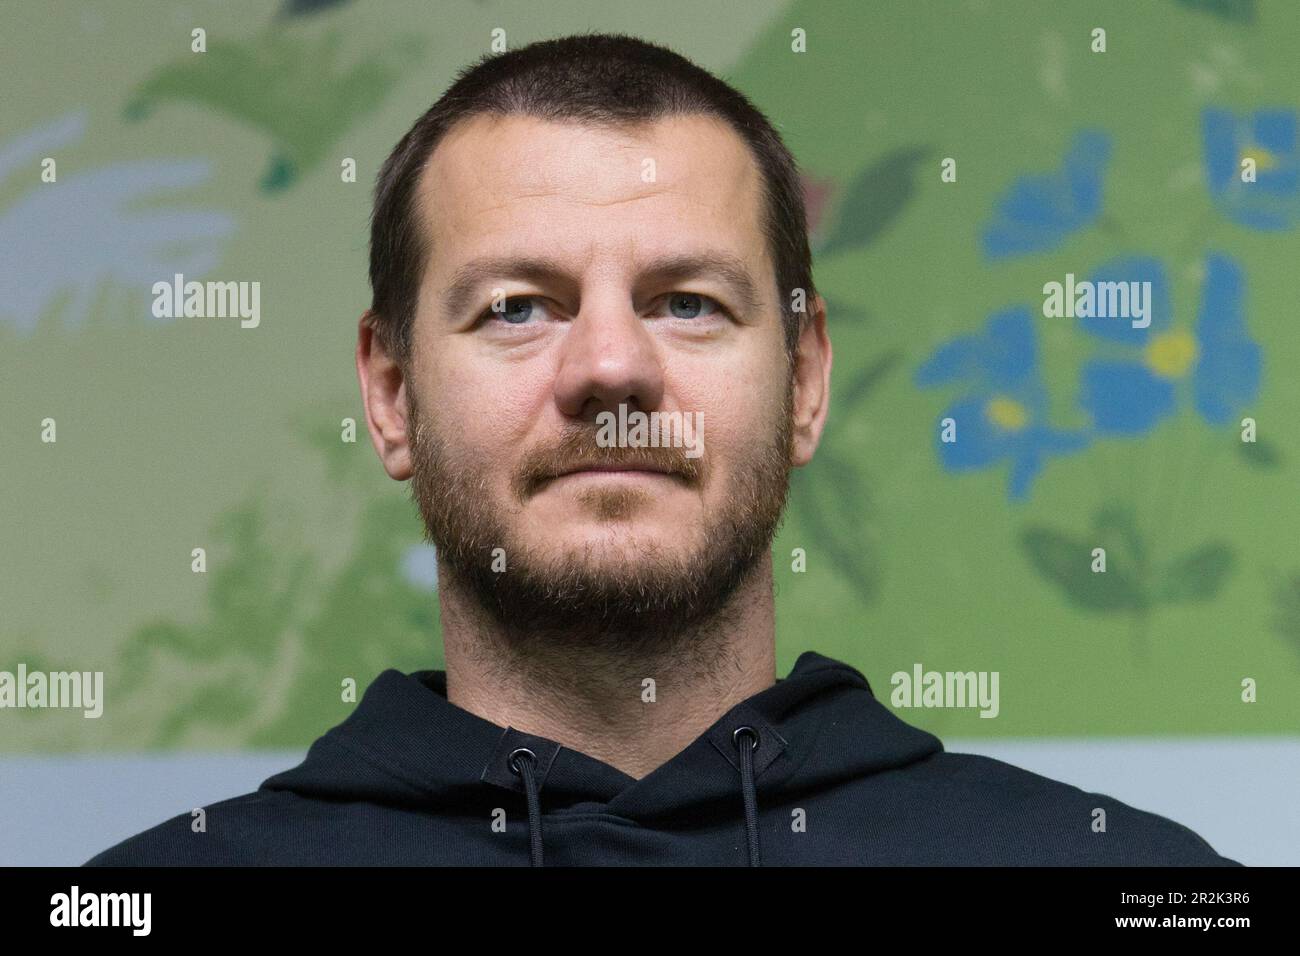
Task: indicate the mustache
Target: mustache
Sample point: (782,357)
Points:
(577,449)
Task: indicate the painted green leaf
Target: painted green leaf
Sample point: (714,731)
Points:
(1261,453)
(1118,532)
(835,504)
(1238,11)
(874,199)
(300,91)
(866,381)
(1198,575)
(1286,622)
(1067,563)
(840,312)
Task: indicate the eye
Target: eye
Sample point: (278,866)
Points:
(691,305)
(516,310)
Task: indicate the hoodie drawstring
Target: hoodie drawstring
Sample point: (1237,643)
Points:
(523,761)
(747,791)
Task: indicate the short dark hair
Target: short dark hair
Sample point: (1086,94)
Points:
(597,78)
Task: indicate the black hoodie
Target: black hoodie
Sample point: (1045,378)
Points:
(813,770)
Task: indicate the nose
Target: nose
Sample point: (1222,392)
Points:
(609,357)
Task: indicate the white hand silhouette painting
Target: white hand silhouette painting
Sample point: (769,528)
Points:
(72,236)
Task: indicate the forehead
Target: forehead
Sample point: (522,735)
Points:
(591,193)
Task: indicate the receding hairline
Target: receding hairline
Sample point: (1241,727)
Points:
(422,218)
(598,79)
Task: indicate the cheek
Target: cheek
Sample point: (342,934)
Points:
(486,409)
(742,393)
(734,434)
(739,417)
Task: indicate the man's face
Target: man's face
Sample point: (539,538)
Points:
(604,249)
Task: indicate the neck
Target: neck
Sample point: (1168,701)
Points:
(594,696)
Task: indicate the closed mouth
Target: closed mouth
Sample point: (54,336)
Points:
(619,469)
(613,469)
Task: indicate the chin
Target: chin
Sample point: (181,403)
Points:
(614,545)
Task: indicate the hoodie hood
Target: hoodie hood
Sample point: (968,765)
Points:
(406,745)
(812,770)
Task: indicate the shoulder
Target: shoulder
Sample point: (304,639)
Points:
(231,832)
(1044,821)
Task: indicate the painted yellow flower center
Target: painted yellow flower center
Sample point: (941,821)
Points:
(1006,413)
(1262,157)
(1171,354)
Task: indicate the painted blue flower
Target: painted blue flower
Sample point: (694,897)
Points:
(1230,365)
(1040,210)
(1216,365)
(1268,137)
(1004,415)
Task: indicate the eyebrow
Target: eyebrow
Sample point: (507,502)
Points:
(673,268)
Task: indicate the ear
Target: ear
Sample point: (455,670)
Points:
(812,385)
(383,392)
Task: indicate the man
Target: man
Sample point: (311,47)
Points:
(584,231)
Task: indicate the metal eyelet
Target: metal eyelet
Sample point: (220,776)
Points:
(513,760)
(735,736)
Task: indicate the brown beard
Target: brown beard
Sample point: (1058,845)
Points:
(651,606)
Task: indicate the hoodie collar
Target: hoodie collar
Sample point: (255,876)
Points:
(406,744)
